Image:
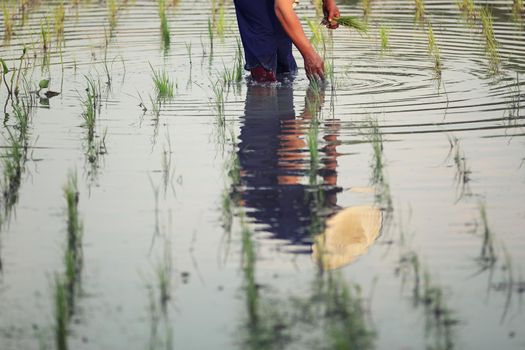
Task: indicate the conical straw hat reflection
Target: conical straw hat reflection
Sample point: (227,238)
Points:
(348,235)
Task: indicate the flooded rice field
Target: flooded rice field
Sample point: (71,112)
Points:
(153,197)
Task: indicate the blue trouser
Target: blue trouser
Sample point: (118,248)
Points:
(265,42)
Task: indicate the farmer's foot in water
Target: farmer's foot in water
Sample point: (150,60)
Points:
(261,75)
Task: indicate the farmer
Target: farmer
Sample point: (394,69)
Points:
(268,28)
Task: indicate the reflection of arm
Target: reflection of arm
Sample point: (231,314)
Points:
(332,141)
(314,101)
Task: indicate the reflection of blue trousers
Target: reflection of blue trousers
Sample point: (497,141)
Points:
(265,42)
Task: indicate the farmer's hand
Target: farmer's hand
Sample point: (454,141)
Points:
(314,66)
(331,11)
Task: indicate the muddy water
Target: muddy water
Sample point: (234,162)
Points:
(410,250)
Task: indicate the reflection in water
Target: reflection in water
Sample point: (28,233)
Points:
(285,191)
(275,165)
(348,235)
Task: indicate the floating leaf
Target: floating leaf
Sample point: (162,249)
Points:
(43,84)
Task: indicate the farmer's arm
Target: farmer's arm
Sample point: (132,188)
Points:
(330,11)
(313,63)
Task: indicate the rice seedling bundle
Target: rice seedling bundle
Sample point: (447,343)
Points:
(352,23)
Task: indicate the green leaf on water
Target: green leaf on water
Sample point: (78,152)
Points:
(4,66)
(43,84)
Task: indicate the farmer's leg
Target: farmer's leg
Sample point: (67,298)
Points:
(257,25)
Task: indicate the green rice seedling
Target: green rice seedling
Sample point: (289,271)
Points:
(8,21)
(4,70)
(314,98)
(346,326)
(13,161)
(318,6)
(468,9)
(367,6)
(420,11)
(462,176)
(352,23)
(427,295)
(439,318)
(112,13)
(94,149)
(329,71)
(220,26)
(437,67)
(239,62)
(15,78)
(14,156)
(383,196)
(167,166)
(230,196)
(409,264)
(219,103)
(210,37)
(214,10)
(431,40)
(488,255)
(159,322)
(383,35)
(378,178)
(434,52)
(318,38)
(164,272)
(73,252)
(155,318)
(44,32)
(21,113)
(227,76)
(227,211)
(188,51)
(157,231)
(491,44)
(377,146)
(60,17)
(517,9)
(74,224)
(62,313)
(164,86)
(91,106)
(105,62)
(249,257)
(164,26)
(511,282)
(513,110)
(313,145)
(23,10)
(155,107)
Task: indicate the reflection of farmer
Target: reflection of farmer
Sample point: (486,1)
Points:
(268,28)
(274,165)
